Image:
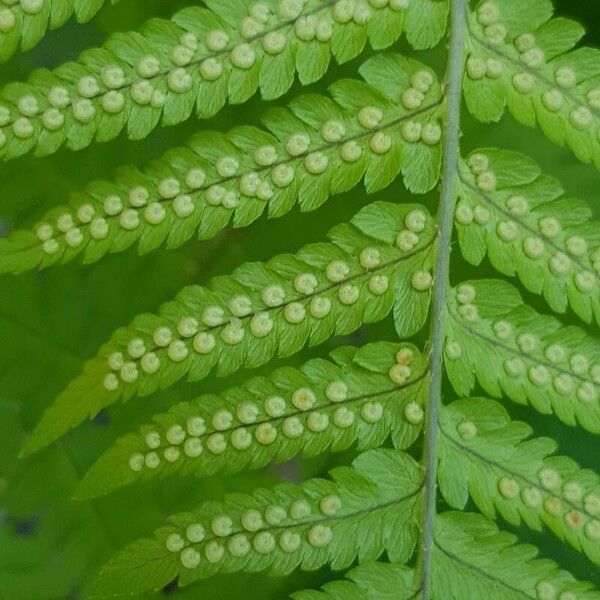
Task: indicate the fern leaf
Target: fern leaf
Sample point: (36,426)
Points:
(200,59)
(392,261)
(514,351)
(319,522)
(317,147)
(368,581)
(23,24)
(522,61)
(514,214)
(384,256)
(364,396)
(485,454)
(473,559)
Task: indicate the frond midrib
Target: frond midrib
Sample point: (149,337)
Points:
(451,156)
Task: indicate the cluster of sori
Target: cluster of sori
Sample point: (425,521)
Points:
(266,309)
(519,477)
(565,500)
(293,524)
(532,73)
(277,526)
(311,297)
(271,170)
(303,412)
(531,358)
(261,17)
(156,78)
(537,236)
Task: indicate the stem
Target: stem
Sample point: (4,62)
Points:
(454,76)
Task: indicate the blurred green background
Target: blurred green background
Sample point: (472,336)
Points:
(51,546)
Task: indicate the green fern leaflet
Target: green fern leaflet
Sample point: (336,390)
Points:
(380,376)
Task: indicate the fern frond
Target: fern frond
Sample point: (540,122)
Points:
(508,210)
(512,350)
(521,60)
(317,147)
(381,259)
(362,397)
(384,401)
(203,59)
(319,522)
(368,581)
(23,24)
(474,559)
(485,454)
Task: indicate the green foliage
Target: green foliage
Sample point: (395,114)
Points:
(262,310)
(364,396)
(488,456)
(534,359)
(23,24)
(198,61)
(372,405)
(75,534)
(519,218)
(318,522)
(317,147)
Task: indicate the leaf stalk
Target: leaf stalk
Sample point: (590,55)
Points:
(454,78)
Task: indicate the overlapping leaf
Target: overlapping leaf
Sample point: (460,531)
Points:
(383,258)
(370,581)
(317,147)
(473,559)
(496,339)
(363,510)
(521,61)
(198,61)
(362,397)
(508,210)
(489,457)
